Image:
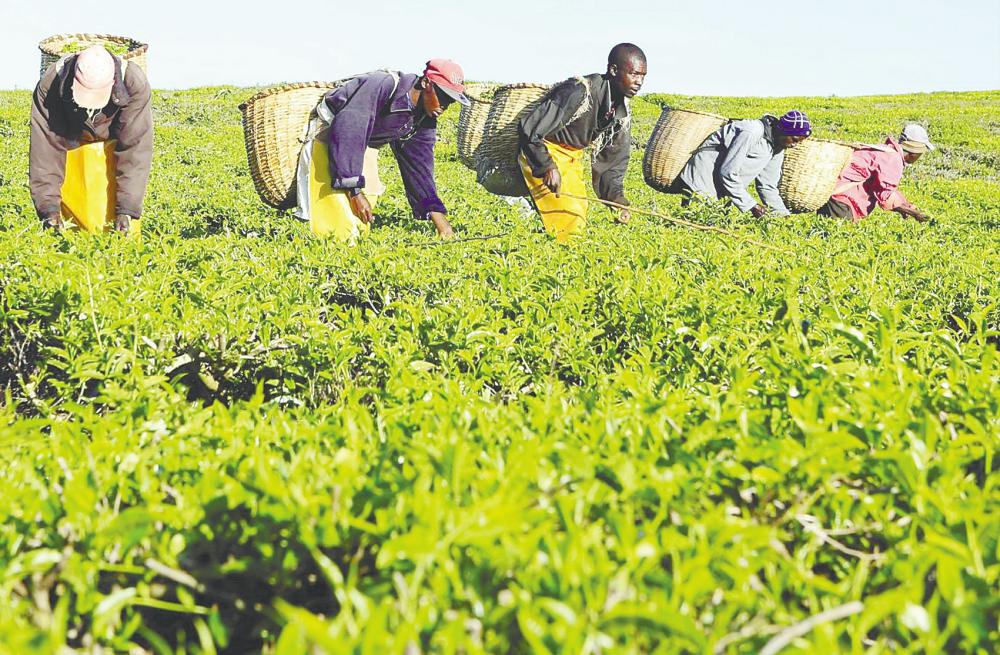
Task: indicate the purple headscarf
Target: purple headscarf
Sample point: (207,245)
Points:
(795,123)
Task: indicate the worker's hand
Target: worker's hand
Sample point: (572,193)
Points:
(759,211)
(623,216)
(910,210)
(553,180)
(442,225)
(122,223)
(361,208)
(53,223)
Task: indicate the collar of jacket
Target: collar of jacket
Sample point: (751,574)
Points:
(770,130)
(894,145)
(400,101)
(119,94)
(606,99)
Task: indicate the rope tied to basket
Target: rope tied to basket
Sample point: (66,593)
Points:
(676,221)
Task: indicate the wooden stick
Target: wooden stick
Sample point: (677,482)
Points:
(812,525)
(448,242)
(791,633)
(678,221)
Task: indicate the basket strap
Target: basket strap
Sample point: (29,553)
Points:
(844,188)
(324,113)
(585,103)
(395,83)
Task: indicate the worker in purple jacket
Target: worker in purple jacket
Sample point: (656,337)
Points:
(379,108)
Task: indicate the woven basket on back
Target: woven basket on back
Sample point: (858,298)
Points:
(275,122)
(810,173)
(56,47)
(472,121)
(677,134)
(496,158)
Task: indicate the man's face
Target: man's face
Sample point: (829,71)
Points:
(627,79)
(434,100)
(792,141)
(911,157)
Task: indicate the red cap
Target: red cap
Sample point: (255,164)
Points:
(448,77)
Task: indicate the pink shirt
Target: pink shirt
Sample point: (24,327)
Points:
(872,177)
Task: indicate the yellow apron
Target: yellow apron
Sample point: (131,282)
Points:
(564,218)
(329,209)
(88,190)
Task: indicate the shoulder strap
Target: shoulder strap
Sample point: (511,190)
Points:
(586,103)
(853,185)
(844,188)
(395,82)
(61,63)
(326,116)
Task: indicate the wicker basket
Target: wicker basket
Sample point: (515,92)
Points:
(677,134)
(472,121)
(274,128)
(52,48)
(810,173)
(496,158)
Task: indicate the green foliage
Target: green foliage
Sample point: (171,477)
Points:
(115,48)
(236,438)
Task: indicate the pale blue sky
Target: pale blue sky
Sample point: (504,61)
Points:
(794,47)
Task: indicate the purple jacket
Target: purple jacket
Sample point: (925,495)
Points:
(368,113)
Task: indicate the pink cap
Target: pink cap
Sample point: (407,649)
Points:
(448,76)
(94,78)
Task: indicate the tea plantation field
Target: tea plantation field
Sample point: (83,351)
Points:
(235,438)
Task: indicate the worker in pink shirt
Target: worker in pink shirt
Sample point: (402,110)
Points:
(872,178)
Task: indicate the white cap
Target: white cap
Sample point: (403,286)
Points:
(94,78)
(916,134)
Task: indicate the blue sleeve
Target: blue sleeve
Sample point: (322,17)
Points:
(354,106)
(415,157)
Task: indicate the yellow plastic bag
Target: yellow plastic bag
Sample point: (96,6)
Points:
(89,189)
(564,218)
(329,209)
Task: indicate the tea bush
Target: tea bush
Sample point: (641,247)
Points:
(236,438)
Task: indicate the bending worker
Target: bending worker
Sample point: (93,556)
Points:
(91,142)
(872,178)
(581,112)
(741,152)
(338,180)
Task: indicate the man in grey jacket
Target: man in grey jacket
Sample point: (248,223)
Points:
(746,151)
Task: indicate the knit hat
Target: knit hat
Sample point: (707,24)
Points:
(915,139)
(795,123)
(94,77)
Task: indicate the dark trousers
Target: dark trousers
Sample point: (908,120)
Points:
(835,209)
(680,188)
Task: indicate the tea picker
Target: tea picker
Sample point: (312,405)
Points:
(591,111)
(337,178)
(872,177)
(742,152)
(91,142)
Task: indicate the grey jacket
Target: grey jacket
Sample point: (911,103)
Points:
(738,153)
